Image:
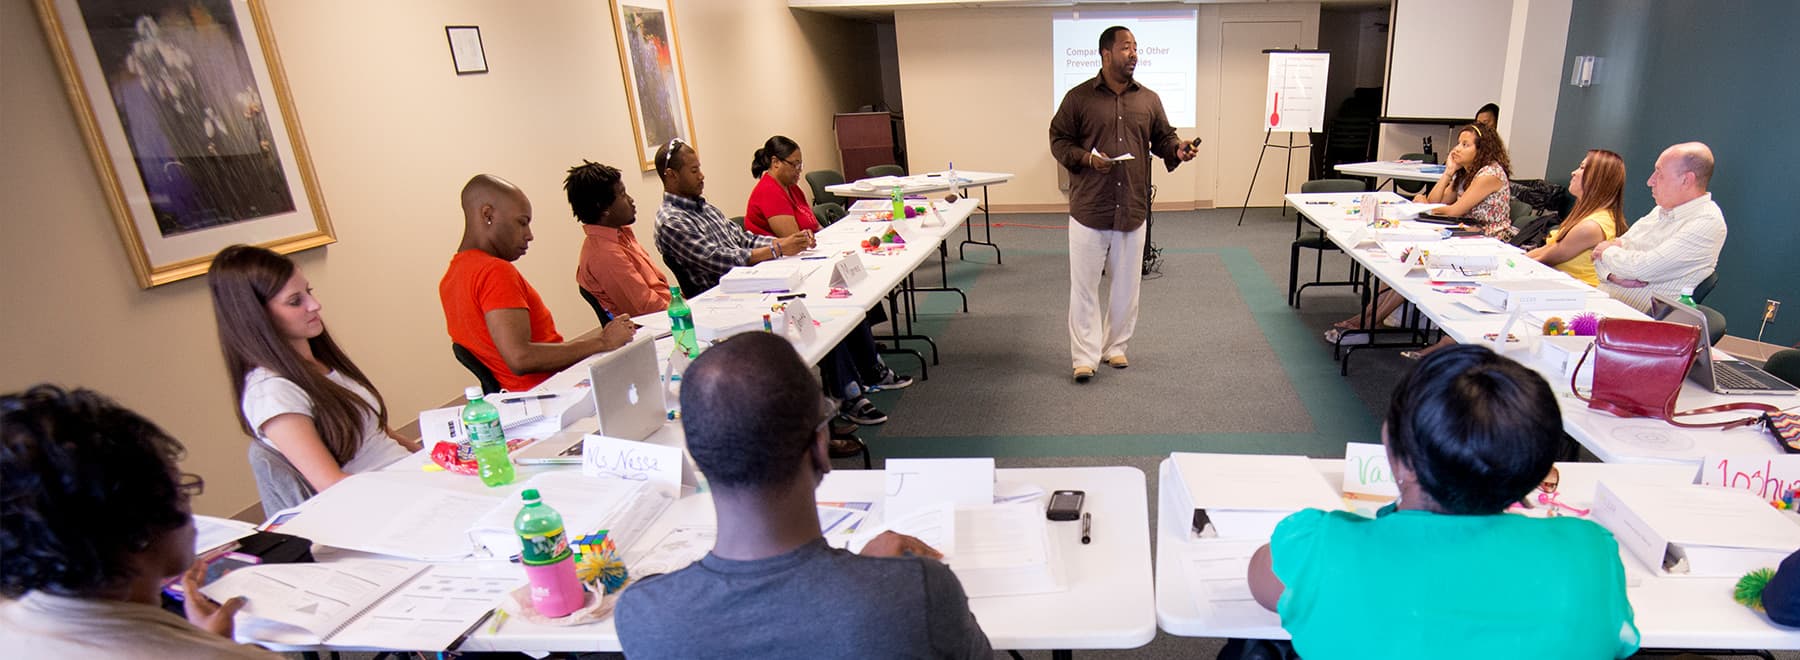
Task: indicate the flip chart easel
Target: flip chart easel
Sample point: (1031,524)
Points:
(1299,76)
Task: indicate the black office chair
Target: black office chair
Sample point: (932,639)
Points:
(1410,188)
(1521,213)
(827,213)
(688,288)
(483,374)
(1316,240)
(736,221)
(1715,323)
(1785,364)
(1705,287)
(885,170)
(599,312)
(818,180)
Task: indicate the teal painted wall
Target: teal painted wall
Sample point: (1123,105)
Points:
(1724,72)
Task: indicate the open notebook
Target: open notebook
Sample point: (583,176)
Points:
(358,603)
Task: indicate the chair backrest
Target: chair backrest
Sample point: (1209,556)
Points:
(885,170)
(278,482)
(818,180)
(1521,213)
(1705,287)
(688,288)
(1413,187)
(1785,364)
(1333,186)
(1715,323)
(483,374)
(827,213)
(599,312)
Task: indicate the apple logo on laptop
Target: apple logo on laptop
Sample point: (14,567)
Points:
(631,394)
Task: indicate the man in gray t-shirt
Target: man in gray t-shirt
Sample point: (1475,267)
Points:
(771,588)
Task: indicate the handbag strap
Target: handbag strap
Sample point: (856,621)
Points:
(1576,372)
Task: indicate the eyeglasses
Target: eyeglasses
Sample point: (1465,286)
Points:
(795,163)
(190,485)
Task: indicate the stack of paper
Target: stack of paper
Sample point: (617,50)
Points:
(363,603)
(995,549)
(1244,496)
(1702,531)
(774,275)
(398,514)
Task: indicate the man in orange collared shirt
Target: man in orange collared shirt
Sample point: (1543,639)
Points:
(491,310)
(614,267)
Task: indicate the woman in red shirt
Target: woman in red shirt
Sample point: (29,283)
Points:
(777,206)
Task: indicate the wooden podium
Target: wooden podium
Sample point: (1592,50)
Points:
(865,139)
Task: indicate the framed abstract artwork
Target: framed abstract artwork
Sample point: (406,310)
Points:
(191,127)
(655,79)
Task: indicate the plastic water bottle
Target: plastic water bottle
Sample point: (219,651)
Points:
(899,205)
(481,425)
(681,322)
(955,186)
(1687,297)
(549,564)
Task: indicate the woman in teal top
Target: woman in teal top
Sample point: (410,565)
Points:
(1444,572)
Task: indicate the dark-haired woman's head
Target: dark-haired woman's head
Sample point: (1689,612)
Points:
(93,499)
(597,195)
(1479,146)
(1598,184)
(1489,114)
(780,157)
(1475,429)
(267,317)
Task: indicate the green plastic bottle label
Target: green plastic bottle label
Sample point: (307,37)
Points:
(544,549)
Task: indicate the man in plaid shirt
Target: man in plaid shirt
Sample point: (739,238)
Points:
(701,244)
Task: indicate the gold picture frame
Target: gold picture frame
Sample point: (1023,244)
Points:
(654,74)
(170,96)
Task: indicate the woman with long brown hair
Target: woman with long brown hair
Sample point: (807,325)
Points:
(296,391)
(1598,185)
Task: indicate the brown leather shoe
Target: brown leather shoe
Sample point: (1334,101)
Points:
(845,446)
(1117,361)
(1083,374)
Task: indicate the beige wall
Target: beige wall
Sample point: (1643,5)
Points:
(977,83)
(393,134)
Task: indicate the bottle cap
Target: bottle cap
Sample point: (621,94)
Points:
(529,495)
(473,392)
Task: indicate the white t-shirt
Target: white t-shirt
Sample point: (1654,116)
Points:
(267,396)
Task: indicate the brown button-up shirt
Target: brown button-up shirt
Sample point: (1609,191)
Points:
(1093,117)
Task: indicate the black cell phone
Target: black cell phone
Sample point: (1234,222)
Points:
(1066,505)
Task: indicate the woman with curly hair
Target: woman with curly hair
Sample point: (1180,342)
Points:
(1475,186)
(95,518)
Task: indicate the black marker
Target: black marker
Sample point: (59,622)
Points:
(1087,528)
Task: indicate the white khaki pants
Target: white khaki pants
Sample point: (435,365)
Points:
(1094,332)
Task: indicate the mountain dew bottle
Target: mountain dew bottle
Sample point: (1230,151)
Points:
(549,564)
(681,321)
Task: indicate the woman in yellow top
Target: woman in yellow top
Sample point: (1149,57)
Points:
(1598,185)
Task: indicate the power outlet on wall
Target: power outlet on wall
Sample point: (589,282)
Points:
(1769,308)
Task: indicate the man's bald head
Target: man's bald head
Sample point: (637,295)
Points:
(496,217)
(1682,174)
(1695,158)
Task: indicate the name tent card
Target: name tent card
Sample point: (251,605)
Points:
(1367,472)
(617,458)
(913,483)
(848,271)
(800,326)
(1767,477)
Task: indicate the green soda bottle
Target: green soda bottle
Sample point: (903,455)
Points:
(1687,297)
(899,205)
(481,421)
(681,321)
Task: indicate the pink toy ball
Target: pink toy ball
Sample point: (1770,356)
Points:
(1585,324)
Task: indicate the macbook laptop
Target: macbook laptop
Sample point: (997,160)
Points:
(626,387)
(1722,376)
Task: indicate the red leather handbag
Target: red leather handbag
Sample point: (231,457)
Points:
(1638,369)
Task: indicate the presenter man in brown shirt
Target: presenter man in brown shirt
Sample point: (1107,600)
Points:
(1100,120)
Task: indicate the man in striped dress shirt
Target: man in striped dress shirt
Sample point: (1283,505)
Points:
(1676,245)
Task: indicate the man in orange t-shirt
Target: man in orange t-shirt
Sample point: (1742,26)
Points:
(491,310)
